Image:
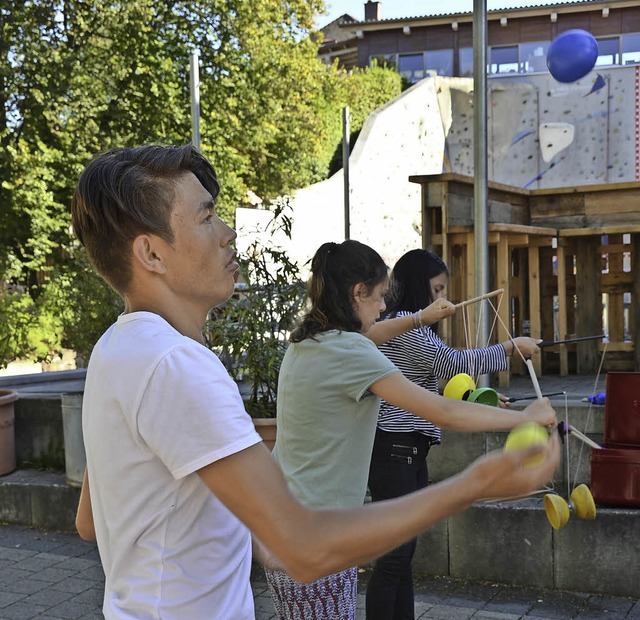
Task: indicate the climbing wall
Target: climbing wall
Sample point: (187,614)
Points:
(582,133)
(540,134)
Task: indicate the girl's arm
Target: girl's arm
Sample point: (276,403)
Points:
(390,328)
(458,415)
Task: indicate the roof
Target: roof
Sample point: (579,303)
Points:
(531,6)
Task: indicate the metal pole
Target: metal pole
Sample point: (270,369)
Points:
(195,98)
(345,169)
(480,194)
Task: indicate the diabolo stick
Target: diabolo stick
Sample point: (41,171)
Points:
(474,300)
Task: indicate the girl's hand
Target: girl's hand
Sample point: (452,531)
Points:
(523,344)
(503,401)
(541,411)
(438,310)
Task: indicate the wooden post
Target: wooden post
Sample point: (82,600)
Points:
(562,307)
(589,303)
(534,299)
(503,260)
(615,294)
(635,299)
(470,285)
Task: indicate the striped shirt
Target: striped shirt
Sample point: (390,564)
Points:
(424,358)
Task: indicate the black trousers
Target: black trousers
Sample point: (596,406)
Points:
(398,467)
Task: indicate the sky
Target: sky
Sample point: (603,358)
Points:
(392,9)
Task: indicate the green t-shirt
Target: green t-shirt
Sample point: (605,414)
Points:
(327,417)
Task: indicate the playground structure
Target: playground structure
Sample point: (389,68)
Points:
(564,257)
(563,218)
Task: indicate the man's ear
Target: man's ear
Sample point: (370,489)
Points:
(147,253)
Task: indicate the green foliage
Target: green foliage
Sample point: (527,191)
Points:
(250,331)
(84,322)
(77,78)
(16,310)
(363,91)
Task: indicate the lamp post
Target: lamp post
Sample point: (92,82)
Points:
(194,82)
(345,170)
(480,191)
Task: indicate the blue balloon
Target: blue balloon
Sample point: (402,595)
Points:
(572,55)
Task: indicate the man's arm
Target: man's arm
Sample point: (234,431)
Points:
(84,514)
(309,544)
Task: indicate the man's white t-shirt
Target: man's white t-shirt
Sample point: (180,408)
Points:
(157,407)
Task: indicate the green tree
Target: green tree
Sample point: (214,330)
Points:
(79,77)
(363,91)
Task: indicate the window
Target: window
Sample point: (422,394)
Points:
(411,67)
(630,49)
(608,51)
(503,59)
(383,60)
(440,62)
(465,60)
(533,57)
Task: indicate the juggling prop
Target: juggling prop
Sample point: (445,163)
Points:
(558,510)
(580,500)
(459,387)
(524,436)
(572,55)
(485,396)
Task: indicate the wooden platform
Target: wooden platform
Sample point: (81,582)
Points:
(566,259)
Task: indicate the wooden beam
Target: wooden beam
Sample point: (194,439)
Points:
(603,230)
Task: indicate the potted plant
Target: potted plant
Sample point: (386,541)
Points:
(250,331)
(7,431)
(14,308)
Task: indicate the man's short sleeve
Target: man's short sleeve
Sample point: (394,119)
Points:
(191,413)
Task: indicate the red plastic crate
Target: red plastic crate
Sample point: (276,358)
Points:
(615,477)
(622,410)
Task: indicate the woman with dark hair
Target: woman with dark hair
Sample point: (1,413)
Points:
(330,384)
(402,440)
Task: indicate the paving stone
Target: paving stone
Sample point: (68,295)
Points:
(65,582)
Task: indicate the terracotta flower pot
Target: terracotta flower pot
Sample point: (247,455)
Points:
(7,431)
(266,428)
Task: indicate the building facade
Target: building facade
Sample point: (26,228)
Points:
(517,39)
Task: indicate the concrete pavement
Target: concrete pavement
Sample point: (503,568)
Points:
(57,576)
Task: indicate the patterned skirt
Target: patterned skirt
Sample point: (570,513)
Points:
(330,598)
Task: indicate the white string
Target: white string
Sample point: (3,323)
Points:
(588,420)
(473,371)
(566,445)
(539,394)
(467,339)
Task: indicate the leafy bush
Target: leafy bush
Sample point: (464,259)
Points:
(250,331)
(16,309)
(84,303)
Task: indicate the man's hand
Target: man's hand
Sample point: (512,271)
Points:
(506,475)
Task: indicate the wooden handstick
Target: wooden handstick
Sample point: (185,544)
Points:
(474,300)
(552,343)
(516,399)
(582,437)
(534,379)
